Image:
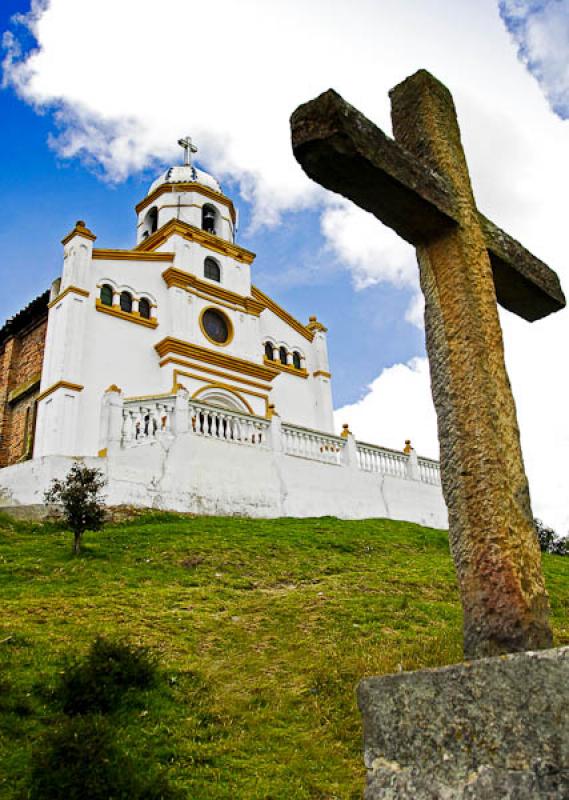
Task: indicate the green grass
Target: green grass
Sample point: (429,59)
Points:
(263,629)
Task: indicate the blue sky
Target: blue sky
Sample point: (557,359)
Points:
(49,193)
(92,112)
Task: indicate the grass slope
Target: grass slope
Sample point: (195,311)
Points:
(264,628)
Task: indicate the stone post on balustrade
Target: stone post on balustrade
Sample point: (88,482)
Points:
(413,473)
(111,421)
(350,451)
(181,410)
(275,430)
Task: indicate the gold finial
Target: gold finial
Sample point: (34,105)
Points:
(407,449)
(345,431)
(113,388)
(314,325)
(81,229)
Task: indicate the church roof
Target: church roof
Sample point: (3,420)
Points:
(186,173)
(32,312)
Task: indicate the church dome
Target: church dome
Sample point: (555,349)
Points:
(186,173)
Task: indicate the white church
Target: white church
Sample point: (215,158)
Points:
(188,386)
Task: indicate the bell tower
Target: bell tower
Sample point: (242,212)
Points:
(187,194)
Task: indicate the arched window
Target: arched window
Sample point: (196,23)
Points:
(282,355)
(211,270)
(144,307)
(152,219)
(269,351)
(126,302)
(209,215)
(296,360)
(106,295)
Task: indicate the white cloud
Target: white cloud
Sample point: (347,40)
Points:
(397,406)
(541,31)
(373,252)
(128,78)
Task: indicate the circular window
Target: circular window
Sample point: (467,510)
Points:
(216,326)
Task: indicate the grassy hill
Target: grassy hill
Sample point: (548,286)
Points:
(263,628)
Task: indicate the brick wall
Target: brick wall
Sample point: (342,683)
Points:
(21,357)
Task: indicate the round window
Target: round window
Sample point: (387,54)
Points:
(216,326)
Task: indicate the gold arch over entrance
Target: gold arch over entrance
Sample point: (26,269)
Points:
(224,393)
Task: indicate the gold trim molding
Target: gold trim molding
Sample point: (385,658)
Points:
(193,234)
(69,290)
(203,389)
(74,387)
(166,188)
(109,254)
(232,363)
(219,385)
(322,373)
(185,280)
(217,373)
(268,302)
(290,370)
(132,316)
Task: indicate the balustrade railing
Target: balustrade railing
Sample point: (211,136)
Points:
(164,416)
(231,426)
(429,471)
(314,445)
(372,458)
(147,419)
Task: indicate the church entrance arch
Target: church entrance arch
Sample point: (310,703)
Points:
(222,398)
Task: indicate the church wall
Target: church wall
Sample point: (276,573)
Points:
(119,351)
(21,360)
(207,476)
(304,401)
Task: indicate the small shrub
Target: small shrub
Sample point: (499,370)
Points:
(81,760)
(549,541)
(100,681)
(80,495)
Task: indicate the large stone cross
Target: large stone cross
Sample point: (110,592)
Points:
(419,185)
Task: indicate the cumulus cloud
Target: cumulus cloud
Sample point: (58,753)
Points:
(540,29)
(396,406)
(125,79)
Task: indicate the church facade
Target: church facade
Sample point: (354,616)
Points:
(133,352)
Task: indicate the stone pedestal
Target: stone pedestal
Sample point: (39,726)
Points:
(493,728)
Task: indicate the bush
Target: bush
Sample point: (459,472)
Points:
(100,681)
(549,541)
(80,760)
(80,496)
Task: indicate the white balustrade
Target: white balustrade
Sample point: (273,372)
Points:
(430,471)
(231,426)
(149,419)
(380,459)
(314,445)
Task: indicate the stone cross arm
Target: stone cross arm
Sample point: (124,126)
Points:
(342,150)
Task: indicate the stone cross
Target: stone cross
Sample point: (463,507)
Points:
(419,185)
(189,149)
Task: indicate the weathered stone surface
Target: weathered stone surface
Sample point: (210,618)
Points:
(494,728)
(342,150)
(420,186)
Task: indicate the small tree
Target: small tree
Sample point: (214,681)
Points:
(549,541)
(80,494)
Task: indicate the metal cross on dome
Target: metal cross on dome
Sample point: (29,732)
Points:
(189,148)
